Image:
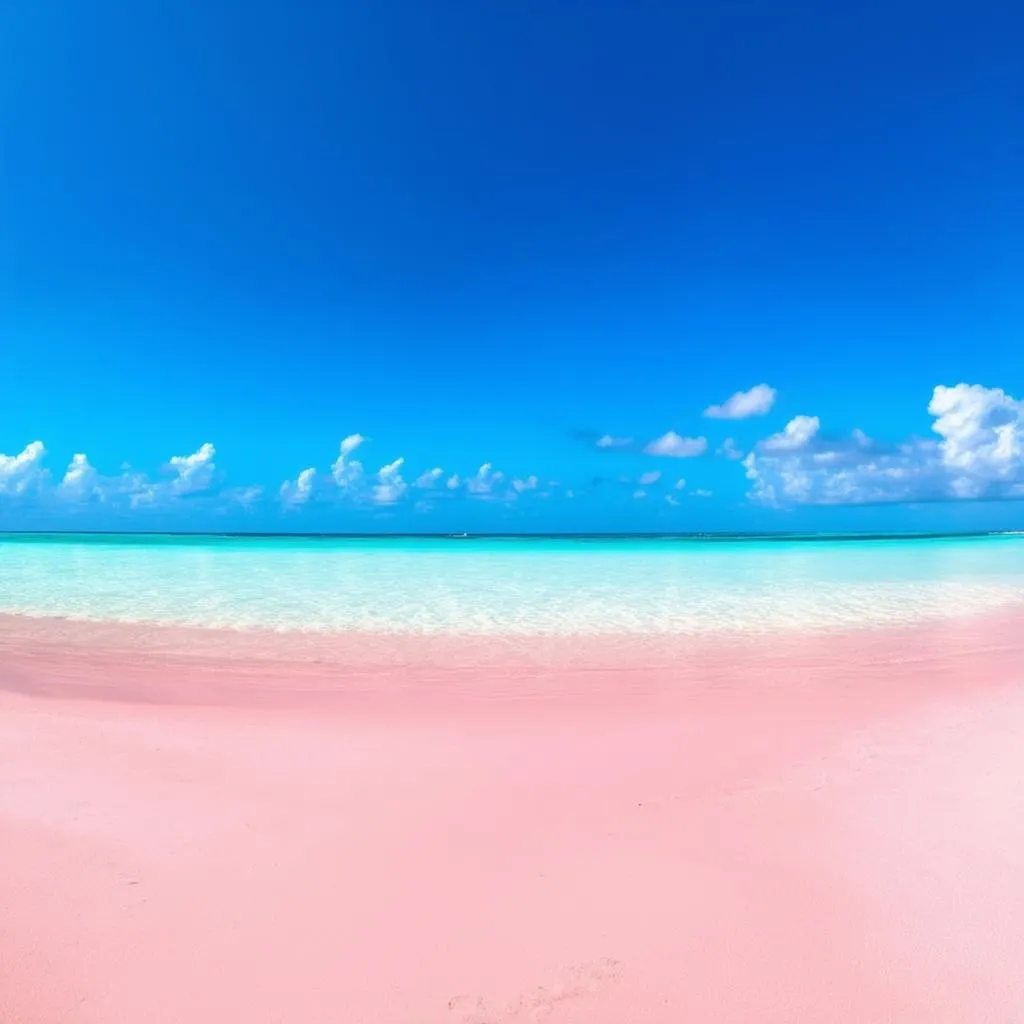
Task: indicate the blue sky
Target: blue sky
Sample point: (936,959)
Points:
(492,235)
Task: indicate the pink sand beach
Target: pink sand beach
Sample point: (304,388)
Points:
(201,827)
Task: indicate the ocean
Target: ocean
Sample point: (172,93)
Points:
(513,585)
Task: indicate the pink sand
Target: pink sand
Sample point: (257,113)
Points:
(206,827)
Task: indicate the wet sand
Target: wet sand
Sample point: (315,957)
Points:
(203,827)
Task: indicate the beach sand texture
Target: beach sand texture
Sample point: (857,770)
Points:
(789,829)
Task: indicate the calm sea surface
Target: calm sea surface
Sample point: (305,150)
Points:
(513,586)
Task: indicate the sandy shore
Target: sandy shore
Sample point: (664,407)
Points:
(205,827)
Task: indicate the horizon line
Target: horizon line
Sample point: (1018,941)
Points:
(567,535)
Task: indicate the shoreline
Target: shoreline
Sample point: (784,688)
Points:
(170,665)
(791,828)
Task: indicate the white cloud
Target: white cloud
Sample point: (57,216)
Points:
(729,450)
(482,484)
(430,478)
(390,486)
(385,487)
(640,494)
(982,431)
(608,441)
(23,473)
(81,481)
(671,499)
(979,454)
(348,472)
(671,444)
(975,451)
(743,404)
(143,493)
(245,496)
(796,434)
(20,473)
(351,443)
(299,491)
(192,473)
(185,476)
(700,493)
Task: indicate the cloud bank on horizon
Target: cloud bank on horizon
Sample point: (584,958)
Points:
(977,454)
(25,476)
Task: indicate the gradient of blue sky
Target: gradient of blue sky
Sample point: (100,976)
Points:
(480,233)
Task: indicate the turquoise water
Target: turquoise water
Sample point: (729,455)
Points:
(507,586)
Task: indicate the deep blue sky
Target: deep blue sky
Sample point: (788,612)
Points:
(490,233)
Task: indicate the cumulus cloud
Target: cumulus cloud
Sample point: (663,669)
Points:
(193,473)
(351,443)
(348,472)
(652,477)
(639,494)
(298,491)
(607,441)
(430,478)
(671,499)
(195,476)
(184,476)
(979,454)
(674,446)
(679,484)
(81,481)
(529,484)
(982,431)
(728,450)
(349,480)
(189,476)
(142,493)
(390,486)
(22,472)
(701,493)
(483,483)
(246,497)
(744,404)
(454,482)
(796,434)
